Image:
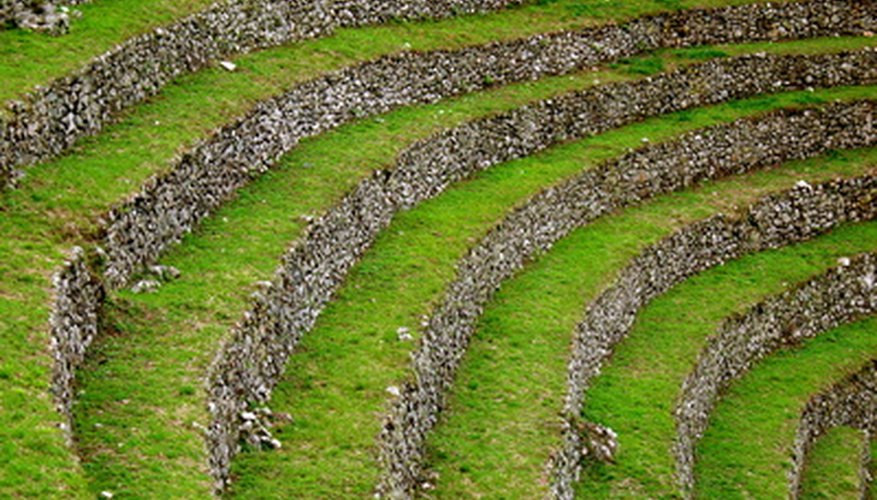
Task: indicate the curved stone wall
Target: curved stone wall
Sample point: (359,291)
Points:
(793,216)
(79,297)
(54,117)
(173,203)
(851,402)
(250,364)
(838,297)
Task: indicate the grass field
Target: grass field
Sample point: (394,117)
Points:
(781,386)
(138,423)
(833,466)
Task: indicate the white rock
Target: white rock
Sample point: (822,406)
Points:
(230,66)
(106,494)
(803,184)
(394,391)
(844,261)
(145,286)
(403,334)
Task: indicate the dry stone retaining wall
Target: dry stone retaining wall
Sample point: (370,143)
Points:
(838,297)
(39,15)
(778,220)
(52,118)
(71,107)
(79,297)
(711,153)
(851,402)
(172,204)
(251,363)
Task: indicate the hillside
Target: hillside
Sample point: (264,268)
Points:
(452,249)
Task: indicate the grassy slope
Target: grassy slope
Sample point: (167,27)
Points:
(636,392)
(503,415)
(833,465)
(59,201)
(336,397)
(745,451)
(28,59)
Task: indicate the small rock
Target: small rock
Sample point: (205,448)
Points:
(868,34)
(145,286)
(228,65)
(803,184)
(844,261)
(165,273)
(248,415)
(106,494)
(394,391)
(403,334)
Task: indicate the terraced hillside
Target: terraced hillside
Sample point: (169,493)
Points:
(443,249)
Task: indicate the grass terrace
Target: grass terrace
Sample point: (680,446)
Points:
(833,465)
(636,392)
(148,376)
(141,409)
(504,417)
(781,384)
(30,58)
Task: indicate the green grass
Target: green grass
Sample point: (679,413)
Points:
(746,450)
(503,416)
(636,391)
(28,58)
(58,202)
(833,465)
(238,246)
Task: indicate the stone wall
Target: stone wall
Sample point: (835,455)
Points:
(171,204)
(79,297)
(838,297)
(53,117)
(713,153)
(250,364)
(39,15)
(793,216)
(851,402)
